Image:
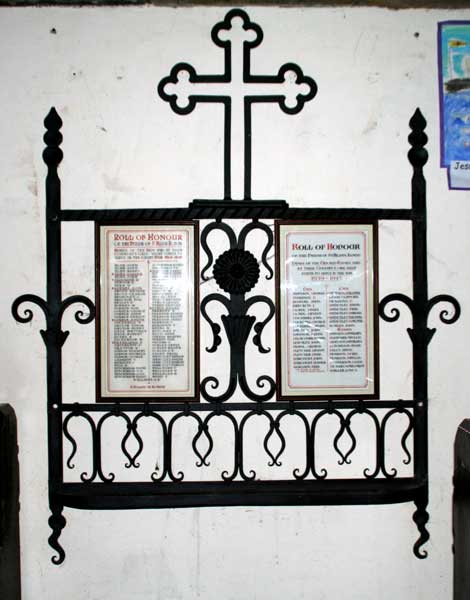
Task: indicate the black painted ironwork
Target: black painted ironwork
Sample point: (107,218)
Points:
(237,272)
(273,88)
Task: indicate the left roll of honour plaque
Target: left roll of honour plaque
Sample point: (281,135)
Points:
(147,317)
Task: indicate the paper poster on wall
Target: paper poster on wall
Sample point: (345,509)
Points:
(327,319)
(147,317)
(454,94)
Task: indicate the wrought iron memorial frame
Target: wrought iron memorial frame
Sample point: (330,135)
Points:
(310,484)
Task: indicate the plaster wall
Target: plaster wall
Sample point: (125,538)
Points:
(124,147)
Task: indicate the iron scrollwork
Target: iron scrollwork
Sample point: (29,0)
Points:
(204,423)
(392,313)
(53,308)
(236,271)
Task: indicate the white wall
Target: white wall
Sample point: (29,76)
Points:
(124,147)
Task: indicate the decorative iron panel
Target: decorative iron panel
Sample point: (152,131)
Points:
(248,396)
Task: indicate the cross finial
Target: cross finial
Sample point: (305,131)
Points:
(236,19)
(237,89)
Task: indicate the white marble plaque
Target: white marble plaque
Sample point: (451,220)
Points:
(147,311)
(327,310)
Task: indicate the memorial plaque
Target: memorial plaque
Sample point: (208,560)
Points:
(327,317)
(147,322)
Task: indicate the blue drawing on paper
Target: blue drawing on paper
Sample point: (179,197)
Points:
(454,71)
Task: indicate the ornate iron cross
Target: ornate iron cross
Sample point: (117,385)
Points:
(237,89)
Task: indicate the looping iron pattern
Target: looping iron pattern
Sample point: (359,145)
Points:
(275,440)
(236,271)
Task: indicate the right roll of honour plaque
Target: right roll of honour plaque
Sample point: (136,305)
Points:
(327,302)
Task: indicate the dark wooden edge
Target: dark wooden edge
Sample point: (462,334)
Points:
(461,511)
(461,477)
(375,258)
(160,399)
(10,561)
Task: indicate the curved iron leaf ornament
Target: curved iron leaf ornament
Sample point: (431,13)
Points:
(392,313)
(80,316)
(53,332)
(445,316)
(27,314)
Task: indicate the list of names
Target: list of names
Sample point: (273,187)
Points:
(327,319)
(148,300)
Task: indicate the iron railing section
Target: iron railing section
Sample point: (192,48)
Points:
(274,442)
